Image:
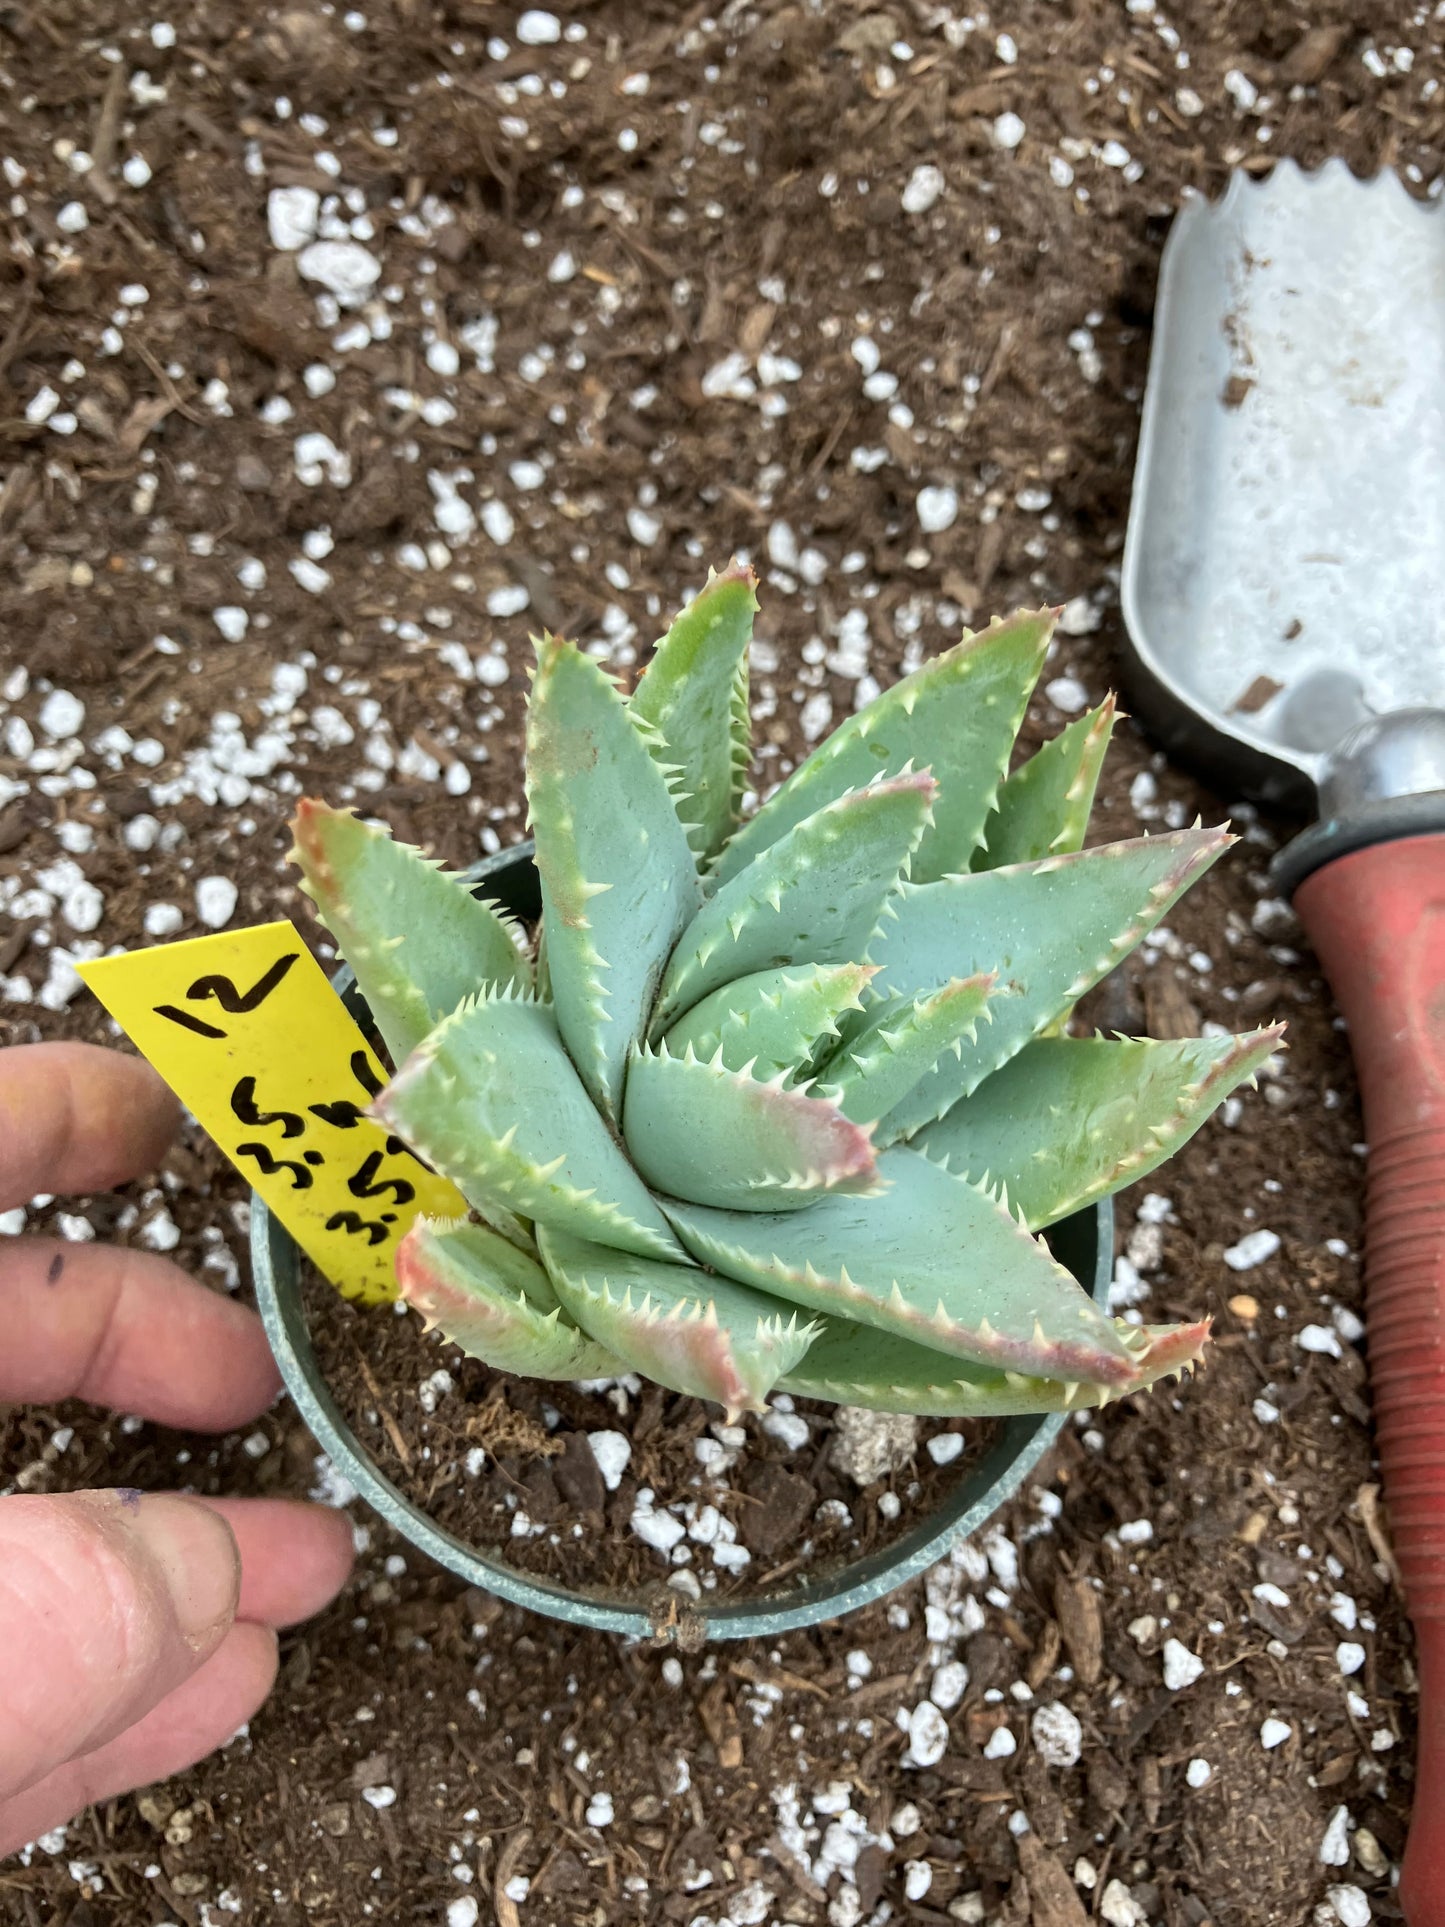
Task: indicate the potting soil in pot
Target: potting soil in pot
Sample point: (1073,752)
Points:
(620,1488)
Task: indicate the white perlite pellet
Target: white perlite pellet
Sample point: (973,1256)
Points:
(215,901)
(613,1453)
(937,507)
(538,28)
(1335,1846)
(927,1735)
(1254,1248)
(1181,1667)
(923,188)
(1058,1737)
(1008,131)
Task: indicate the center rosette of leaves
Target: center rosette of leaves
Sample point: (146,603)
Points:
(781,1102)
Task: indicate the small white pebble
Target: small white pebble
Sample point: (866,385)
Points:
(162,920)
(1008,131)
(1119,1907)
(613,1453)
(1181,1667)
(945,1447)
(1274,1733)
(1136,1532)
(215,901)
(660,1530)
(1352,1909)
(83,906)
(927,1735)
(62,715)
(906,1821)
(1349,1657)
(1253,1249)
(1057,1735)
(1198,1773)
(379,1796)
(538,28)
(600,1810)
(1001,1744)
(937,508)
(791,1428)
(1067,694)
(72,218)
(291,216)
(344,268)
(924,186)
(231,620)
(950,1683)
(1321,1339)
(917,1879)
(1335,1846)
(464,1912)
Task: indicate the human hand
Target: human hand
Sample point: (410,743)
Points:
(137,1632)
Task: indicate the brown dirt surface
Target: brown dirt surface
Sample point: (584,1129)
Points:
(505,1464)
(656,290)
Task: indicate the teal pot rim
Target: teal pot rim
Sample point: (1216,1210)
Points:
(1084,1242)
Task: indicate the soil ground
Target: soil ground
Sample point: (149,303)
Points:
(674,284)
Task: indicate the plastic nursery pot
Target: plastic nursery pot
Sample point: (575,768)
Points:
(1084,1243)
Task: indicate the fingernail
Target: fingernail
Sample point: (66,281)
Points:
(195,1554)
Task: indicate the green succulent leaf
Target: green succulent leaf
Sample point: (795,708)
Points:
(1043,808)
(775,1020)
(693,696)
(932,1258)
(694,1333)
(957,716)
(618,878)
(1071,1119)
(493,1303)
(1050,929)
(492,1099)
(815,896)
(699,1131)
(854,1364)
(418,940)
(902,1040)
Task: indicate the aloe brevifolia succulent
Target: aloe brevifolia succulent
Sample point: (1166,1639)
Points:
(783,1101)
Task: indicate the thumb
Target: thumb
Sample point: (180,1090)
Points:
(108,1600)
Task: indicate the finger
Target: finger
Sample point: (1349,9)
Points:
(128,1330)
(107,1602)
(295,1558)
(74,1117)
(189,1723)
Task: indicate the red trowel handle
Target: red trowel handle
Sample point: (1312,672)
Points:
(1377,920)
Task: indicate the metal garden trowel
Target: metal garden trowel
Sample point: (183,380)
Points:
(1284,597)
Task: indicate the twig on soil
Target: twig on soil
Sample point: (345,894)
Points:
(393,1430)
(107,133)
(1378,1533)
(172,392)
(778,1676)
(796,1872)
(508,1861)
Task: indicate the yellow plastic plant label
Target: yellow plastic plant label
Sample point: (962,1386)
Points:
(251,1037)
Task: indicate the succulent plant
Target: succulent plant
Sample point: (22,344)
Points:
(781,1101)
